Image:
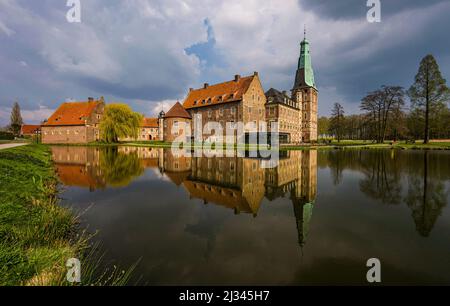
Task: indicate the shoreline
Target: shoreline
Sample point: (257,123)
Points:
(333,146)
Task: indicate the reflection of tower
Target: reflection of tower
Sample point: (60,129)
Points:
(174,165)
(303,214)
(304,195)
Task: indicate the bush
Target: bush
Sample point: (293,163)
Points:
(6,135)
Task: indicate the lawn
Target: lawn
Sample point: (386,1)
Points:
(35,233)
(37,236)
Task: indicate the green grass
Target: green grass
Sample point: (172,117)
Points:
(37,236)
(35,233)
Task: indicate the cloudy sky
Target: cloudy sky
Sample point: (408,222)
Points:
(147,53)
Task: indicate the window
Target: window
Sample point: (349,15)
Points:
(249,109)
(195,102)
(221,112)
(209,114)
(233,110)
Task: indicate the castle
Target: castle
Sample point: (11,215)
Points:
(244,100)
(241,100)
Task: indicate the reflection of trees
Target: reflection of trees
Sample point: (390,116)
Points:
(426,197)
(119,169)
(336,163)
(382,179)
(383,170)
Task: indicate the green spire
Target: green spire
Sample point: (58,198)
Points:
(305,73)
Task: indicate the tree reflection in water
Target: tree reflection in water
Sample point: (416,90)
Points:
(387,171)
(119,168)
(426,198)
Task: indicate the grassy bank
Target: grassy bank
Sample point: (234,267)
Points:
(37,236)
(35,233)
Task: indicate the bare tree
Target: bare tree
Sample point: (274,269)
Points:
(337,120)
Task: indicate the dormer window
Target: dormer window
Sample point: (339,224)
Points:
(195,102)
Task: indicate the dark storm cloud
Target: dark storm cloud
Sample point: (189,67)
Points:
(388,53)
(149,52)
(345,9)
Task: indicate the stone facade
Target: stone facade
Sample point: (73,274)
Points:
(286,113)
(148,131)
(73,123)
(240,100)
(176,129)
(308,98)
(305,93)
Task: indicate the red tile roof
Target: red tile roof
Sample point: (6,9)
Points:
(150,122)
(177,111)
(28,129)
(230,91)
(73,113)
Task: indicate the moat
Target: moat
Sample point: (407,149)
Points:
(315,219)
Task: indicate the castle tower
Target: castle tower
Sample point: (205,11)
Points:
(305,93)
(161,125)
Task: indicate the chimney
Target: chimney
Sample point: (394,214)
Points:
(285,92)
(256,73)
(91,99)
(206,85)
(191,89)
(237,77)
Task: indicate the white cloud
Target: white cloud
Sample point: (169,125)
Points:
(28,116)
(133,51)
(5,29)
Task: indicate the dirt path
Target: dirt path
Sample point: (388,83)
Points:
(11,145)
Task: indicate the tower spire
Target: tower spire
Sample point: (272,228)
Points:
(304,31)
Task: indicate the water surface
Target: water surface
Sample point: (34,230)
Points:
(315,219)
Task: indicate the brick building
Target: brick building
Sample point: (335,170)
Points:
(176,124)
(239,100)
(74,122)
(305,94)
(30,130)
(148,130)
(286,113)
(296,115)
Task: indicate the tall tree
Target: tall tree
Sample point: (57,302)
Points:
(16,119)
(429,91)
(119,121)
(379,106)
(337,120)
(323,124)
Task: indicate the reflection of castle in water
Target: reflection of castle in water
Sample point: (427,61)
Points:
(236,183)
(79,166)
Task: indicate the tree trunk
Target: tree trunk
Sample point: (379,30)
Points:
(427,111)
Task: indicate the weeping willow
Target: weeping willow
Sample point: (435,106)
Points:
(119,121)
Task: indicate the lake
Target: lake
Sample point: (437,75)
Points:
(315,219)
